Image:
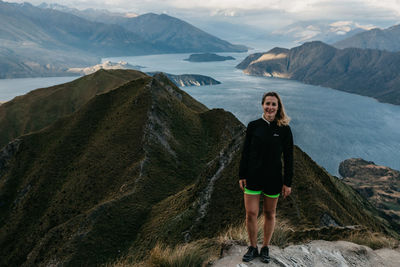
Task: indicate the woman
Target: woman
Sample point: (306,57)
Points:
(261,170)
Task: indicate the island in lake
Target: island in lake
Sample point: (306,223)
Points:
(207,57)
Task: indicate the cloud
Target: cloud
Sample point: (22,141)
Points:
(252,11)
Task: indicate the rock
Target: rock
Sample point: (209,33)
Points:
(7,153)
(315,253)
(379,184)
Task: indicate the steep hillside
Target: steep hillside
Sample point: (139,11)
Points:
(379,184)
(366,72)
(39,108)
(145,164)
(92,179)
(382,39)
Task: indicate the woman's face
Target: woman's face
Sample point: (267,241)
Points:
(270,107)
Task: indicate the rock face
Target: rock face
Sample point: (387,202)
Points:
(379,184)
(315,253)
(7,153)
(366,72)
(386,39)
(207,57)
(189,79)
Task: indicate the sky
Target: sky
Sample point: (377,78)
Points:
(252,12)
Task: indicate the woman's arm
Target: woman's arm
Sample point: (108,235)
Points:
(288,157)
(244,161)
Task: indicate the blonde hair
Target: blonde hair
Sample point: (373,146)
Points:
(281,118)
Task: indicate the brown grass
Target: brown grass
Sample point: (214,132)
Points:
(238,234)
(373,240)
(196,254)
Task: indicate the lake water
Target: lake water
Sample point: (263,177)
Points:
(327,124)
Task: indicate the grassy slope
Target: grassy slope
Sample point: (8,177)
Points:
(41,107)
(82,188)
(130,168)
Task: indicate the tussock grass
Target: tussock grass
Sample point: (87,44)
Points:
(373,240)
(238,234)
(180,256)
(195,254)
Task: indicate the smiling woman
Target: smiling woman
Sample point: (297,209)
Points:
(261,170)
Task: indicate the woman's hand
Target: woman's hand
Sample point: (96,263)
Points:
(286,190)
(242,184)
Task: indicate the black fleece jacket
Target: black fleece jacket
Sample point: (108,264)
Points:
(261,163)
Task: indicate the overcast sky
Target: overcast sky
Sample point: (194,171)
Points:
(275,13)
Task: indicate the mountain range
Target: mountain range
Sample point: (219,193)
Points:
(137,164)
(325,31)
(45,42)
(382,39)
(365,72)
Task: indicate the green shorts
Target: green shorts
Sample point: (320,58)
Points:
(251,192)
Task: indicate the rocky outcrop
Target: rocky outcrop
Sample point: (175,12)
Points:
(315,253)
(379,184)
(183,80)
(7,153)
(365,72)
(207,57)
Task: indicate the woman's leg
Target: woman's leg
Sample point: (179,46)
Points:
(269,218)
(252,204)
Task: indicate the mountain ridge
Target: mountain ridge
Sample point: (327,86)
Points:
(144,164)
(383,39)
(362,71)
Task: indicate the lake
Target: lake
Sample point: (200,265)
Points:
(327,124)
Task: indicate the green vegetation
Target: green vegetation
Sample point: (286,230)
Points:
(42,107)
(145,167)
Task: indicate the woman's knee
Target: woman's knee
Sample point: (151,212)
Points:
(251,214)
(269,214)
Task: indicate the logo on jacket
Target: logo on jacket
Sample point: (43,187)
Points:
(275,134)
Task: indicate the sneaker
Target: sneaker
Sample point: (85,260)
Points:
(251,253)
(264,254)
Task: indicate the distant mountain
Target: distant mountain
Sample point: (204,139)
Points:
(77,192)
(326,31)
(24,59)
(387,39)
(366,72)
(379,184)
(52,29)
(98,15)
(207,57)
(46,42)
(166,34)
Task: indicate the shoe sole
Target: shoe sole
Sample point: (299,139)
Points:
(265,260)
(250,259)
